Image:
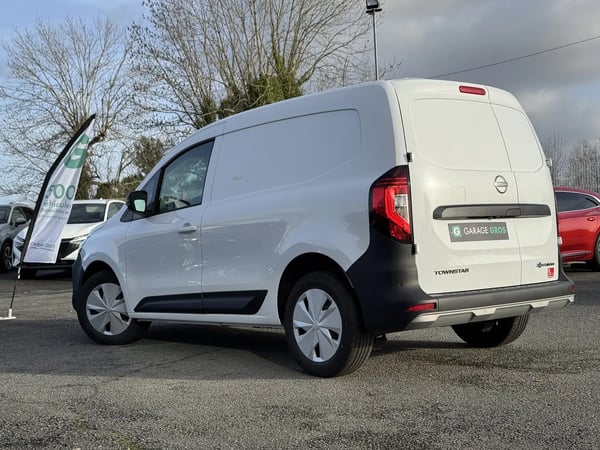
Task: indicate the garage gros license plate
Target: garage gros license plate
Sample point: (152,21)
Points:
(479,231)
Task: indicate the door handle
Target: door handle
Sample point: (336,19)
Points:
(187,228)
(591,219)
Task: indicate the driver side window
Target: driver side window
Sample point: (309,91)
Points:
(182,184)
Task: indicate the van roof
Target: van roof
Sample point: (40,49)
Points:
(357,97)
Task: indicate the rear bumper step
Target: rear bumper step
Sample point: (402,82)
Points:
(457,317)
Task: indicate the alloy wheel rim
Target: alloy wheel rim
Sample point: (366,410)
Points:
(7,258)
(317,325)
(105,309)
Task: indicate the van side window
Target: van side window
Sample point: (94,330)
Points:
(182,184)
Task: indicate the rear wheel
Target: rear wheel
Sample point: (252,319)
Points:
(323,327)
(102,312)
(492,333)
(6,257)
(595,262)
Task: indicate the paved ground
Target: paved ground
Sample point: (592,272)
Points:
(205,387)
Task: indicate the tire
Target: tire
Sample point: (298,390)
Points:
(323,327)
(595,262)
(27,274)
(492,333)
(102,312)
(6,257)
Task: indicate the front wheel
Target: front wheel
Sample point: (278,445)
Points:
(6,257)
(102,313)
(492,333)
(323,327)
(595,262)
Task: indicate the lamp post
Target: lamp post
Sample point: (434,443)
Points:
(372,8)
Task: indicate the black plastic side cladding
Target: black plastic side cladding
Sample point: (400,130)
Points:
(385,280)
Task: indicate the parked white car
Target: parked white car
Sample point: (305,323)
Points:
(375,208)
(85,216)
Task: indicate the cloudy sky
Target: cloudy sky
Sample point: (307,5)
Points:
(559,88)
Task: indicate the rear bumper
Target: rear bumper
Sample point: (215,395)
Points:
(478,314)
(386,284)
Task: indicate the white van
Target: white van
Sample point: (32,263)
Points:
(341,216)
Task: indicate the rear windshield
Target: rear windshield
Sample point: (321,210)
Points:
(87,213)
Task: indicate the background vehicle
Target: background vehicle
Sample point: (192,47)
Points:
(85,216)
(579,225)
(376,208)
(13,218)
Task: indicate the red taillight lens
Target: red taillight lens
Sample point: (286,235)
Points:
(432,306)
(390,204)
(471,90)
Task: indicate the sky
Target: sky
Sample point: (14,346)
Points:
(560,89)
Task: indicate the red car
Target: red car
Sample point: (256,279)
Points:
(579,225)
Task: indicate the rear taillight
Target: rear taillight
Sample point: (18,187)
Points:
(421,307)
(471,90)
(390,204)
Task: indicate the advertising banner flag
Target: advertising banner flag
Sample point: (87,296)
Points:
(55,200)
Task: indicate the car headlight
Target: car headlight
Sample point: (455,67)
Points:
(78,239)
(18,242)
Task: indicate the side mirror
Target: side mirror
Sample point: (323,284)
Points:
(20,221)
(137,201)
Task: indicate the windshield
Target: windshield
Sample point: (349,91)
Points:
(4,213)
(87,213)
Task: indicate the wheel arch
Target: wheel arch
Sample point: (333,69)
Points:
(303,265)
(96,267)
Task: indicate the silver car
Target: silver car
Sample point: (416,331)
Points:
(13,218)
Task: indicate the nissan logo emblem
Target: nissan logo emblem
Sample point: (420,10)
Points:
(501,184)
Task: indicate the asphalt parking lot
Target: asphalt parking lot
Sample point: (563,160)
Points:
(231,388)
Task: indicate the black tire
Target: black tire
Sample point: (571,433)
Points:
(339,345)
(27,274)
(492,333)
(595,262)
(102,314)
(6,257)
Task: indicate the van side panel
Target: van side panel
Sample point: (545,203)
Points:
(285,153)
(284,188)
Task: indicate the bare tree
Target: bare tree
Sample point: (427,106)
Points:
(198,59)
(58,76)
(584,166)
(554,148)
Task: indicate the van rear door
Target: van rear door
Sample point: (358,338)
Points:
(482,200)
